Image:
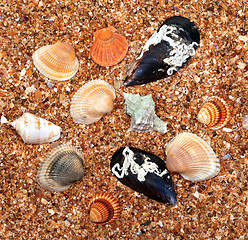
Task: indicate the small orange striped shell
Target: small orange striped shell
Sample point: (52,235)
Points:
(192,157)
(109,48)
(214,113)
(57,61)
(104,209)
(92,101)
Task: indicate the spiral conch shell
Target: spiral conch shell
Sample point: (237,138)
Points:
(35,130)
(192,157)
(104,209)
(214,113)
(92,101)
(109,47)
(57,61)
(61,168)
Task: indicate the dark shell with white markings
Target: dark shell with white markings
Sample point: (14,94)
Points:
(168,50)
(143,172)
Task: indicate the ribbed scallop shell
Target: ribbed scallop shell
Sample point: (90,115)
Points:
(61,168)
(57,61)
(104,209)
(109,48)
(245,122)
(92,101)
(192,157)
(214,113)
(36,130)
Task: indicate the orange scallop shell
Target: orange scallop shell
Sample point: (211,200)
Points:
(104,209)
(57,61)
(109,48)
(214,113)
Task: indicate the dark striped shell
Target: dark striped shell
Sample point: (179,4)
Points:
(61,168)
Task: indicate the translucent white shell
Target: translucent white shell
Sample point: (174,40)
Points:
(92,101)
(61,168)
(214,113)
(142,112)
(192,157)
(57,61)
(36,130)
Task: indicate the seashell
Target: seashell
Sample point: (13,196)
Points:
(192,157)
(167,50)
(109,47)
(245,122)
(92,101)
(61,168)
(143,172)
(104,209)
(142,112)
(214,113)
(35,130)
(57,61)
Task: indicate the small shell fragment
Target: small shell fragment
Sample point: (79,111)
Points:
(57,61)
(109,47)
(214,113)
(245,122)
(142,112)
(61,168)
(192,157)
(92,101)
(104,209)
(36,130)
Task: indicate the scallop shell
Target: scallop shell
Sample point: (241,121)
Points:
(36,130)
(92,101)
(57,61)
(245,122)
(214,113)
(104,209)
(61,168)
(109,48)
(192,157)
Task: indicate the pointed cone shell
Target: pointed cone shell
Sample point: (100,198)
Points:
(109,48)
(57,61)
(214,113)
(104,209)
(192,157)
(36,130)
(61,168)
(92,101)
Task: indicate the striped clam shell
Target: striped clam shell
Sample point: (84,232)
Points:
(57,61)
(36,130)
(192,157)
(104,209)
(109,47)
(214,113)
(92,101)
(61,168)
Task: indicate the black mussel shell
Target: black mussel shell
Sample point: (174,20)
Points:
(161,60)
(143,172)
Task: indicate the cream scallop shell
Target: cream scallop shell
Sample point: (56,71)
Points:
(61,168)
(214,113)
(92,101)
(36,130)
(57,61)
(192,157)
(104,209)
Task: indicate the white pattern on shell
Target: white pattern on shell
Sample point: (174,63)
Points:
(140,170)
(181,51)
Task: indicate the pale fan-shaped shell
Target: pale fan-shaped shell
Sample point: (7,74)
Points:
(214,113)
(36,130)
(61,168)
(245,122)
(57,61)
(104,209)
(192,157)
(92,101)
(109,48)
